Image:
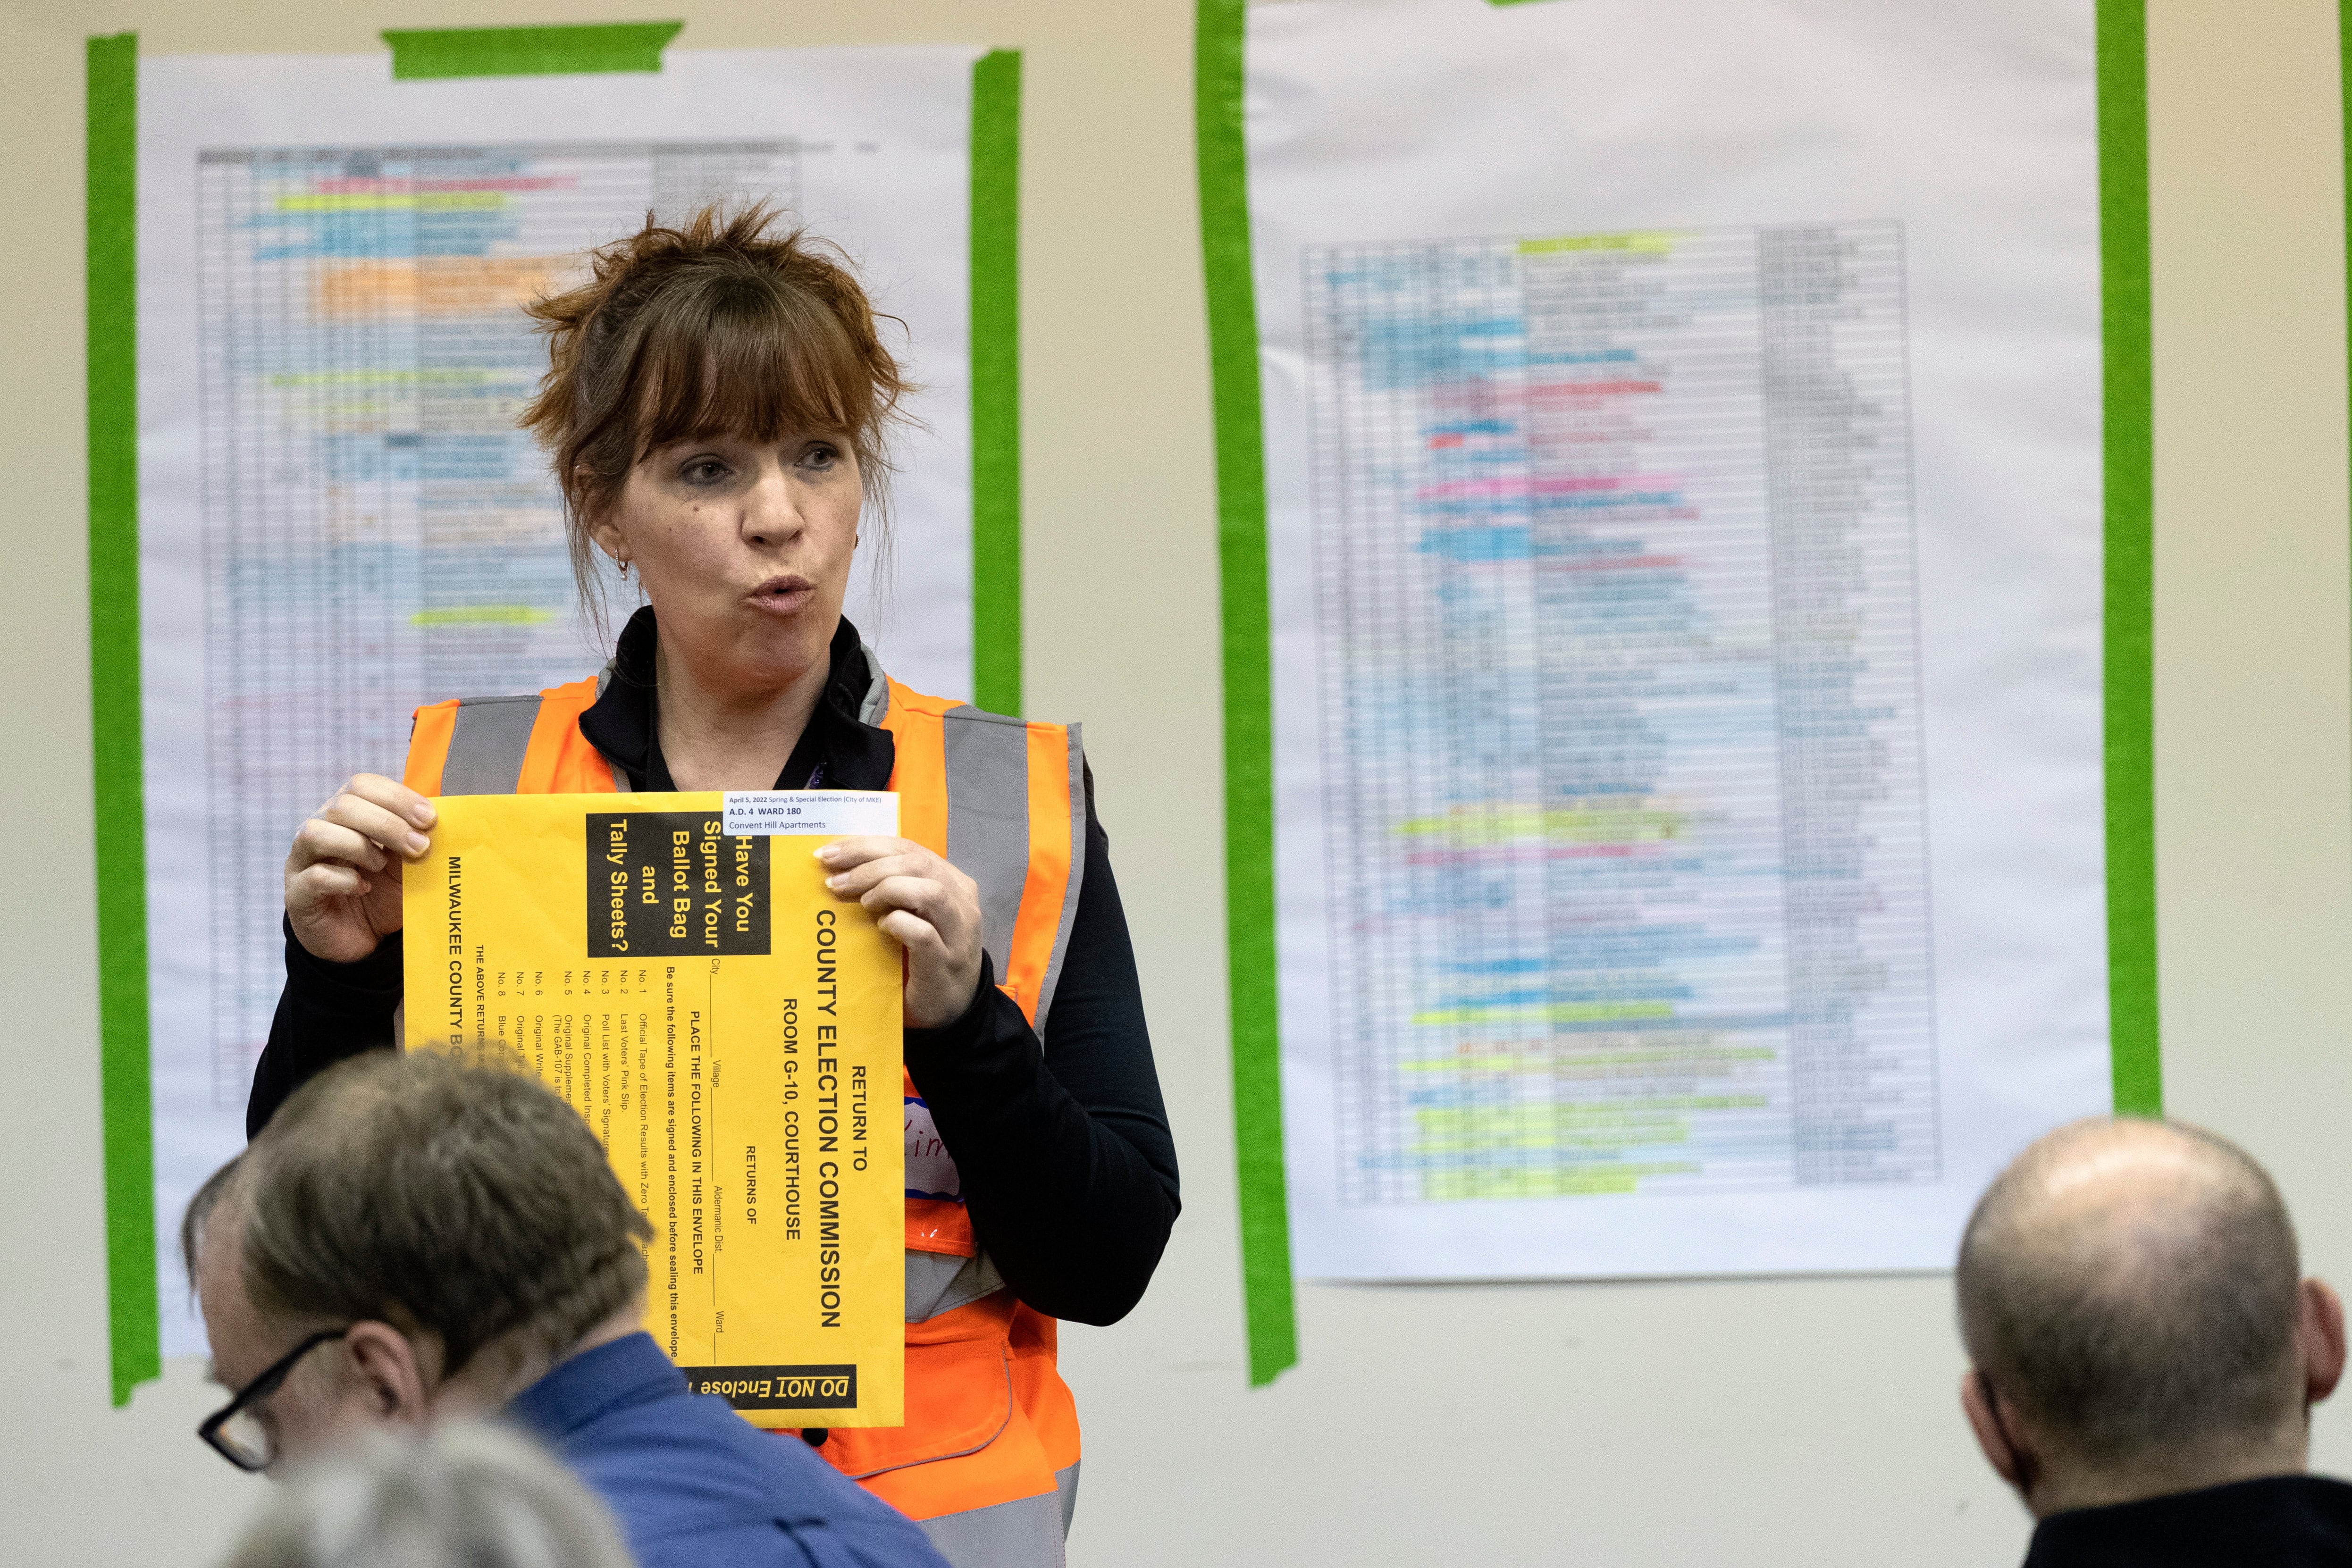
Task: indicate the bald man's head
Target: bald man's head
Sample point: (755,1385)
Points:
(2132,1285)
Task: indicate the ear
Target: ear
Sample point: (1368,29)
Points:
(607,536)
(389,1373)
(2001,1451)
(2319,1335)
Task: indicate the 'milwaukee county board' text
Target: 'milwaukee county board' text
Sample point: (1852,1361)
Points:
(723,1024)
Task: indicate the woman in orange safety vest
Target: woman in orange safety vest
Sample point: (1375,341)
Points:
(715,406)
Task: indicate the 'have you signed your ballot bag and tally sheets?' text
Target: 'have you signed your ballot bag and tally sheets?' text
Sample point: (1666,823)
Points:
(673,966)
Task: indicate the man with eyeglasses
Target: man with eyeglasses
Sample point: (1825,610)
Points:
(414,1237)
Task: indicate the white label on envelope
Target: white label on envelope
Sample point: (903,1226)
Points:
(828,813)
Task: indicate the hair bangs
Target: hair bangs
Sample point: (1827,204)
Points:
(749,360)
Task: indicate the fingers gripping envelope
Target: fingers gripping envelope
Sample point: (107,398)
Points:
(673,966)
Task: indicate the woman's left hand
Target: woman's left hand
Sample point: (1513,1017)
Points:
(929,906)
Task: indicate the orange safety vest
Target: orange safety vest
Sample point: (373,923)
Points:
(988,1460)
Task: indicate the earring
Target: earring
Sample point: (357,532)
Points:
(625,568)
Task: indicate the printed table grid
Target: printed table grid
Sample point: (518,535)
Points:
(1617,631)
(376,532)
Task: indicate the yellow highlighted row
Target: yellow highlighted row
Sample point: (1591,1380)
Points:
(483,615)
(420,201)
(1652,242)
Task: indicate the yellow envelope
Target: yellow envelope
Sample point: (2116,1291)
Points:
(673,966)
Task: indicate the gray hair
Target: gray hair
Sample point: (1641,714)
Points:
(462,1496)
(2131,1286)
(456,1198)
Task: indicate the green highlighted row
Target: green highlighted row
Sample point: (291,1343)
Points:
(1538,1181)
(1503,1063)
(1583,1113)
(1592,1127)
(1611,1141)
(380,378)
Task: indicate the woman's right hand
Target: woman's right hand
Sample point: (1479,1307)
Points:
(343,875)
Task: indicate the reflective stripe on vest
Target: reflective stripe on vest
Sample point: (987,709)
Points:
(1013,818)
(469,745)
(1023,1534)
(992,1435)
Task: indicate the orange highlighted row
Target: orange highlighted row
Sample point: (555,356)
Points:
(430,286)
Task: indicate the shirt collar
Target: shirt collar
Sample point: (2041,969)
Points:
(836,751)
(628,1371)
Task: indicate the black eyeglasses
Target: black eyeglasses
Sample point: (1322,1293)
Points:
(237,1431)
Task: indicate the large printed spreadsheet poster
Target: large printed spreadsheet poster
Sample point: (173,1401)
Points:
(1683,455)
(338,518)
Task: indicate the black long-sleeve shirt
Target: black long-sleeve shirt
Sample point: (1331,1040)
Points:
(2276,1521)
(1061,1145)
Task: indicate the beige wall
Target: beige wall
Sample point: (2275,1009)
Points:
(1788,1421)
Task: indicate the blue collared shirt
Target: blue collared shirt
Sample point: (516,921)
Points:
(696,1486)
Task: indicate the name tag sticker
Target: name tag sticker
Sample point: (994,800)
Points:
(823,813)
(930,1169)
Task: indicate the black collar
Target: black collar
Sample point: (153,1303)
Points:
(836,751)
(2279,1521)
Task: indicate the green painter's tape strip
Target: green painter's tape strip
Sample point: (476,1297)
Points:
(1249,688)
(996,381)
(2130,560)
(112,325)
(2343,52)
(420,56)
